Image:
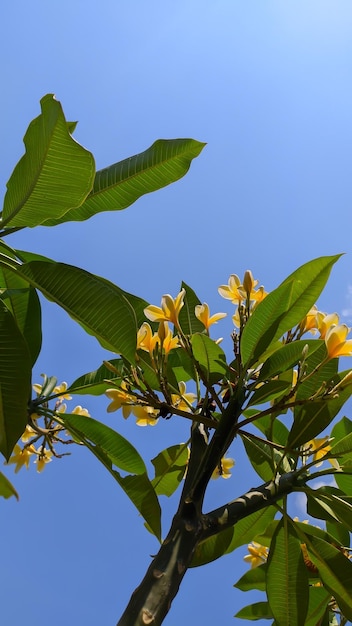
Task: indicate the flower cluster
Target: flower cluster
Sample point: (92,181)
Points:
(329,329)
(244,295)
(132,395)
(44,431)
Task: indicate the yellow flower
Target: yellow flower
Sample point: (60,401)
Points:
(310,321)
(324,322)
(21,457)
(120,399)
(146,415)
(258,554)
(318,448)
(232,291)
(224,468)
(258,295)
(336,343)
(202,313)
(183,400)
(44,457)
(146,340)
(168,340)
(28,434)
(249,283)
(169,311)
(61,389)
(78,410)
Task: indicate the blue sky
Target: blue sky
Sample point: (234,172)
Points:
(267,84)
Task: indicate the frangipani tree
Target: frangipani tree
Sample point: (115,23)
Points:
(277,392)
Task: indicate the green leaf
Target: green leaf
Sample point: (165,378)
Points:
(15,377)
(23,302)
(284,308)
(6,488)
(119,185)
(54,175)
(257,610)
(331,504)
(269,391)
(228,540)
(210,356)
(140,491)
(339,532)
(118,450)
(319,599)
(103,309)
(335,571)
(170,466)
(341,429)
(261,457)
(255,578)
(287,357)
(287,578)
(94,383)
(312,418)
(189,323)
(212,548)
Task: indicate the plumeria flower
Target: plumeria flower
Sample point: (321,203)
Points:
(236,318)
(258,295)
(21,457)
(336,342)
(183,400)
(258,554)
(318,448)
(169,310)
(146,340)
(121,399)
(223,468)
(203,314)
(310,323)
(61,389)
(78,410)
(28,434)
(248,283)
(167,339)
(324,322)
(146,415)
(232,291)
(44,457)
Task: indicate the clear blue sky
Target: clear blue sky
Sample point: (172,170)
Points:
(267,84)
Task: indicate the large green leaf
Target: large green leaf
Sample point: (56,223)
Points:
(54,175)
(15,378)
(340,430)
(119,185)
(211,358)
(103,309)
(335,570)
(170,466)
(287,578)
(23,302)
(94,383)
(284,307)
(119,451)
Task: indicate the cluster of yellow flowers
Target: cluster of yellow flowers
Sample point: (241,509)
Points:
(329,328)
(49,435)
